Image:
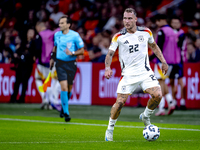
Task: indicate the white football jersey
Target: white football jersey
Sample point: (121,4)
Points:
(133,50)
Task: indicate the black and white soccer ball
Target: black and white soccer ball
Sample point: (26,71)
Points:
(151,132)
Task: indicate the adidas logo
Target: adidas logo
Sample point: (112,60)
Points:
(126,42)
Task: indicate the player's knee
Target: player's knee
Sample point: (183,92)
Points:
(158,96)
(64,89)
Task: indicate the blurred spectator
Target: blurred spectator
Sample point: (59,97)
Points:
(17,53)
(64,5)
(193,53)
(29,22)
(6,55)
(27,56)
(175,23)
(112,20)
(197,43)
(50,5)
(43,13)
(55,15)
(42,69)
(95,52)
(166,40)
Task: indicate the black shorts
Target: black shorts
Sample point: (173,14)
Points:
(177,71)
(66,70)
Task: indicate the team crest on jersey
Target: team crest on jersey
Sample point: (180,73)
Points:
(123,88)
(140,38)
(69,45)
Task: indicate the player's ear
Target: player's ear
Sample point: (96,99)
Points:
(135,19)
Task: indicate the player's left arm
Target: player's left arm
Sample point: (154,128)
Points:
(159,54)
(80,51)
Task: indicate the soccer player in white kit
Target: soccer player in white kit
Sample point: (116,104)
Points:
(132,42)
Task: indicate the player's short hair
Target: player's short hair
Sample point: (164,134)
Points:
(130,10)
(175,17)
(161,17)
(67,18)
(40,23)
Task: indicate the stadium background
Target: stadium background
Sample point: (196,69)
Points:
(26,126)
(89,19)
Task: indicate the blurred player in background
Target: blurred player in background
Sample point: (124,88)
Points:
(132,42)
(42,69)
(166,40)
(67,45)
(175,23)
(53,92)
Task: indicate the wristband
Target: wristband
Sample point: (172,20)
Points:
(53,55)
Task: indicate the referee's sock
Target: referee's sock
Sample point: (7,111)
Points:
(64,101)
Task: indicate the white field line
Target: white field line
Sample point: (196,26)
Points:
(64,142)
(89,124)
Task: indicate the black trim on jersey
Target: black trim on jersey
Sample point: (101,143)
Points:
(147,68)
(123,31)
(123,66)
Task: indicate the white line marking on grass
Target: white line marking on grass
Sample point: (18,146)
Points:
(65,142)
(89,124)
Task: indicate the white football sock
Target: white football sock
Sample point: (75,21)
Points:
(182,102)
(169,99)
(111,124)
(162,104)
(148,112)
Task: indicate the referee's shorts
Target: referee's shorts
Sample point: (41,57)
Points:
(66,70)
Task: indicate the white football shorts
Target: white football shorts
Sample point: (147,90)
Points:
(128,84)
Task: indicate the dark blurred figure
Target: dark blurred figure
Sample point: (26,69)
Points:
(25,56)
(6,47)
(42,69)
(193,53)
(166,40)
(175,23)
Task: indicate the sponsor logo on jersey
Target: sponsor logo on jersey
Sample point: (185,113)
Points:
(69,45)
(140,38)
(126,42)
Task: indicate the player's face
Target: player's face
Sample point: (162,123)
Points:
(158,23)
(129,20)
(175,23)
(63,24)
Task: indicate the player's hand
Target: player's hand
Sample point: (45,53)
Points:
(68,52)
(108,73)
(51,63)
(164,68)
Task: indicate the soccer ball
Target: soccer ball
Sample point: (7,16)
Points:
(151,132)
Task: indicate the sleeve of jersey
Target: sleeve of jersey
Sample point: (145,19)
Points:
(79,42)
(151,39)
(114,44)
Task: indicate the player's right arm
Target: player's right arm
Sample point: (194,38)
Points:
(109,56)
(108,60)
(53,57)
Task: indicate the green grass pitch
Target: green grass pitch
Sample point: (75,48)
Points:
(26,127)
